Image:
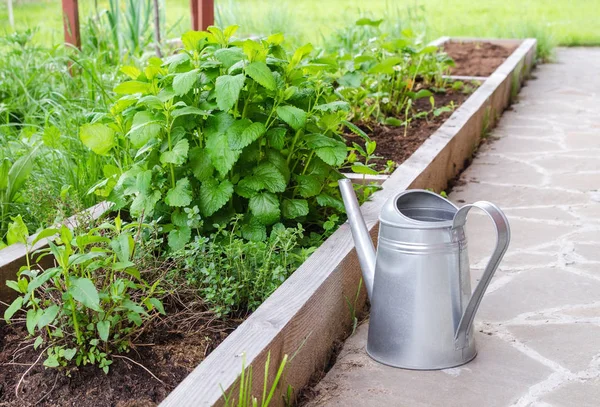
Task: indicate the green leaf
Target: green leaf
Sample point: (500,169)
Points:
(134,307)
(51,137)
(229,56)
(228,90)
(360,168)
(333,155)
(299,54)
(51,361)
(48,316)
(135,318)
(70,353)
(177,155)
(144,128)
(144,203)
(254,231)
(276,137)
(223,157)
(294,208)
(260,72)
(265,207)
(84,291)
(368,21)
(192,40)
(38,342)
(243,133)
(156,303)
(275,39)
(42,278)
(181,195)
(275,158)
(270,176)
(33,317)
(183,82)
(5,166)
(122,104)
(293,116)
(143,181)
(14,307)
(103,329)
(308,185)
(351,79)
(130,71)
(327,200)
(179,237)
(333,152)
(423,93)
(18,174)
(356,130)
(15,286)
(48,232)
(333,106)
(17,231)
(189,110)
(248,187)
(132,87)
(214,195)
(386,66)
(123,246)
(393,121)
(200,164)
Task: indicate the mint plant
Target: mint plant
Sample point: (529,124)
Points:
(92,302)
(223,128)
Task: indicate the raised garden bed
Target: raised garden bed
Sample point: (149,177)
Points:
(310,312)
(505,80)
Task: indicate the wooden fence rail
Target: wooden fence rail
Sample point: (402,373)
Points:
(202,15)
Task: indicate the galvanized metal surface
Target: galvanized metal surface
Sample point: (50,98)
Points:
(422,308)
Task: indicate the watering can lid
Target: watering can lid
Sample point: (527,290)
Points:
(413,209)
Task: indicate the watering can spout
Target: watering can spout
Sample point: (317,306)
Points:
(362,240)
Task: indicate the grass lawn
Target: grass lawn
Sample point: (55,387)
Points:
(566,22)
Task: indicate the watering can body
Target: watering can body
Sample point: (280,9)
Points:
(418,280)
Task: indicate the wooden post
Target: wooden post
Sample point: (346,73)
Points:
(203,14)
(71,22)
(11,16)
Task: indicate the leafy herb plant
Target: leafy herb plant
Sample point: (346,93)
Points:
(92,302)
(223,128)
(236,275)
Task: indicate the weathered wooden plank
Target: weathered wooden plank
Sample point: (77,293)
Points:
(203,14)
(71,22)
(308,313)
(465,78)
(13,256)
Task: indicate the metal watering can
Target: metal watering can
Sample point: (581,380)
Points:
(418,281)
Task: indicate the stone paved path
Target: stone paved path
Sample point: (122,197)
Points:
(538,328)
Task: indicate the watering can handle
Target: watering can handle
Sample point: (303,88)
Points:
(502,240)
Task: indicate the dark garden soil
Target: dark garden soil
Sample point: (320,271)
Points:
(168,351)
(393,144)
(476,58)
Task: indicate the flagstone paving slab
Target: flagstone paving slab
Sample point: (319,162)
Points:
(538,328)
